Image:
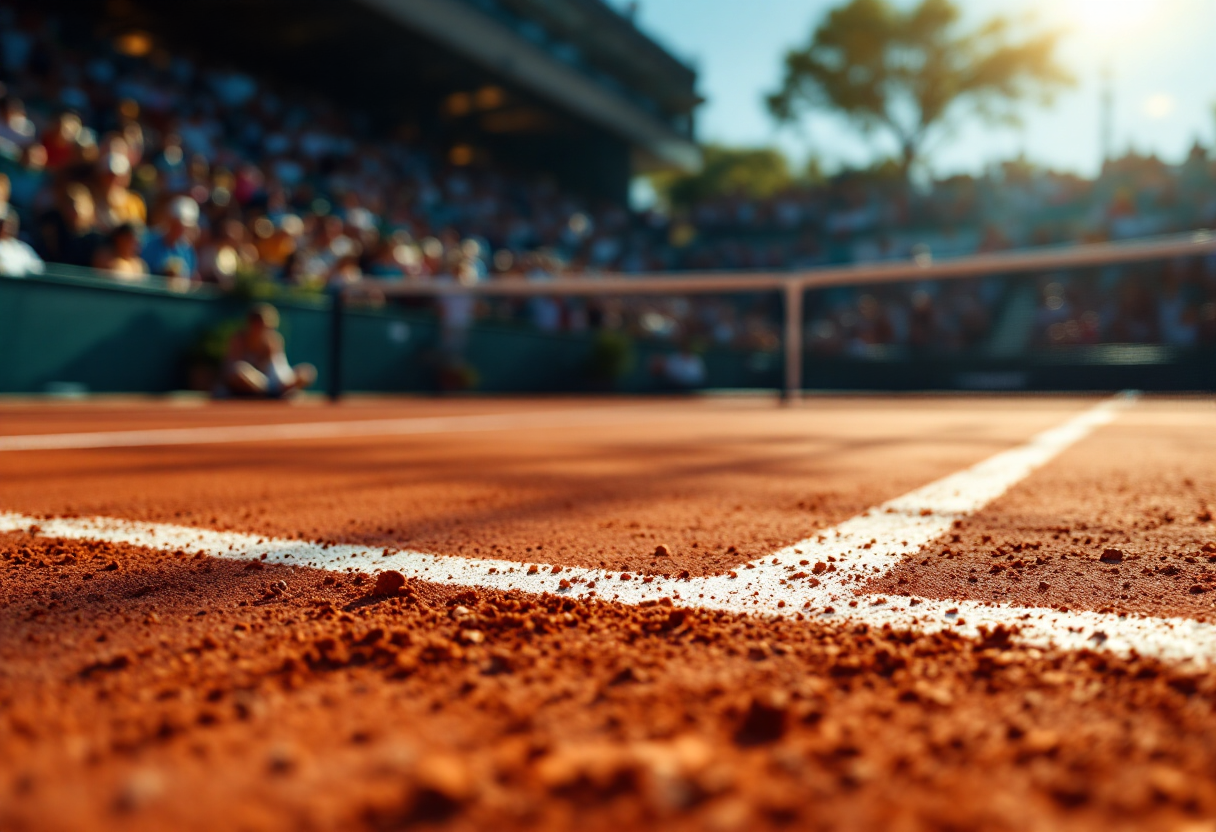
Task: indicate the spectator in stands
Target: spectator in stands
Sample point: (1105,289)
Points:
(170,164)
(132,133)
(292,273)
(64,141)
(17,132)
(329,245)
(275,241)
(170,251)
(256,362)
(223,252)
(116,203)
(120,255)
(17,259)
(68,232)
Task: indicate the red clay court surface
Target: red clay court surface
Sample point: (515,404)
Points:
(147,683)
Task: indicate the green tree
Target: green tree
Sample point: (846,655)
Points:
(727,171)
(911,73)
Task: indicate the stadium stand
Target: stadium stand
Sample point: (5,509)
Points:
(456,140)
(275,171)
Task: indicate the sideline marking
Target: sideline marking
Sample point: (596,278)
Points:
(327,430)
(900,527)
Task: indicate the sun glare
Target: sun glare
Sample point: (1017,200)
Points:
(1159,106)
(1112,17)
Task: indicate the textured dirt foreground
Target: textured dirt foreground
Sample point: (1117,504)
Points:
(718,483)
(1122,522)
(151,691)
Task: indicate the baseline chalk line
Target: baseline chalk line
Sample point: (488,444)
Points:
(864,547)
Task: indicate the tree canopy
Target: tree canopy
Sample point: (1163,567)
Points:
(911,73)
(729,171)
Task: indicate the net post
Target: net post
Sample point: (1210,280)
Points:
(792,389)
(336,316)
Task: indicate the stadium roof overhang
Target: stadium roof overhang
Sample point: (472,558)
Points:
(484,40)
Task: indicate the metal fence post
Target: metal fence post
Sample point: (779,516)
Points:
(792,390)
(336,309)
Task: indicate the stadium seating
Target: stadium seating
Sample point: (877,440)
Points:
(113,159)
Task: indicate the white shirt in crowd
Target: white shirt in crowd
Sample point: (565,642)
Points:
(17,259)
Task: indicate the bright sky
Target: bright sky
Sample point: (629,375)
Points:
(1163,53)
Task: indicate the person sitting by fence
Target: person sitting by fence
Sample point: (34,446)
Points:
(256,364)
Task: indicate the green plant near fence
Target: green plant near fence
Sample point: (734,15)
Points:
(612,358)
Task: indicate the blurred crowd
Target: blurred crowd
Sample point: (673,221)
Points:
(1173,305)
(128,159)
(873,214)
(892,321)
(874,217)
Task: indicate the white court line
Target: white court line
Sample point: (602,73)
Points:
(337,430)
(899,528)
